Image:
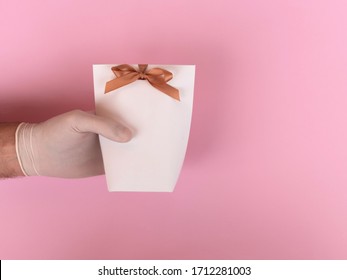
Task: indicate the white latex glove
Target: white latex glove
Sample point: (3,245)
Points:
(67,145)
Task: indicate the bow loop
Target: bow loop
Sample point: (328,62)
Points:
(157,77)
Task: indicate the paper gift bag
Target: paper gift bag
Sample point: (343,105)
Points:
(160,121)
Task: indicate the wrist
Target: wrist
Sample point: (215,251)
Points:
(9,162)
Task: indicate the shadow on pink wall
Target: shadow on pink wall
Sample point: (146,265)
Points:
(213,74)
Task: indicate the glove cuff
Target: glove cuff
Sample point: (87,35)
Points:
(24,149)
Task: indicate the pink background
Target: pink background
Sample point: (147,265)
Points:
(265,173)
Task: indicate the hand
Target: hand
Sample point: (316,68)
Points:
(67,145)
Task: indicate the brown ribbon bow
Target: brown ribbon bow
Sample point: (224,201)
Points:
(157,77)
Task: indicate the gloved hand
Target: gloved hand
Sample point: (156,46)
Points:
(67,145)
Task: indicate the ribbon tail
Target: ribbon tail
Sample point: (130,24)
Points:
(167,89)
(120,82)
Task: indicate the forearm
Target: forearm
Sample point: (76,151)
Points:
(9,165)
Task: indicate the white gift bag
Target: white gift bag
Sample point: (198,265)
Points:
(152,160)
